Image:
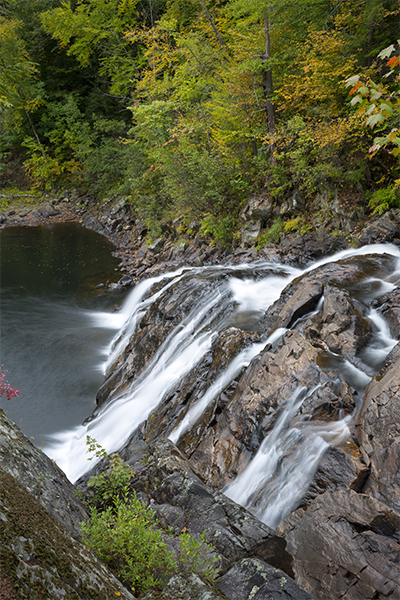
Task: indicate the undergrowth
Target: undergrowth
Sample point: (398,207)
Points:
(125,533)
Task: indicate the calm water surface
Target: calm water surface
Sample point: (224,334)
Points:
(55,326)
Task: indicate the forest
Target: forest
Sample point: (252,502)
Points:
(190,107)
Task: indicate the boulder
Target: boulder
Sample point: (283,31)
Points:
(40,476)
(253,579)
(258,208)
(345,545)
(379,432)
(38,559)
(382,229)
(48,210)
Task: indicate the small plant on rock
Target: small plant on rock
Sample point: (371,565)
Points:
(124,533)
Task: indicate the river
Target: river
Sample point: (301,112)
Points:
(56,326)
(60,336)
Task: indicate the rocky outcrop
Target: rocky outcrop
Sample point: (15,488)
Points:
(249,551)
(40,476)
(345,545)
(382,229)
(253,578)
(379,432)
(38,559)
(169,479)
(262,394)
(39,519)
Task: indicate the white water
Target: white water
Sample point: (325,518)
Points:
(278,476)
(288,457)
(238,363)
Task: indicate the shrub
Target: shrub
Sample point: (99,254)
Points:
(382,200)
(272,234)
(124,532)
(222,229)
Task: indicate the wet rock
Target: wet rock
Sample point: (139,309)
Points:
(345,545)
(38,559)
(262,393)
(253,579)
(341,324)
(340,468)
(383,229)
(379,432)
(228,344)
(389,306)
(302,249)
(152,332)
(40,476)
(302,295)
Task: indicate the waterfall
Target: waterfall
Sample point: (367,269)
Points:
(237,295)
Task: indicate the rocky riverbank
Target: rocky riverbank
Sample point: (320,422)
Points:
(342,538)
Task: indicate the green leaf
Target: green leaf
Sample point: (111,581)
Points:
(386,52)
(375,119)
(351,81)
(386,108)
(356,100)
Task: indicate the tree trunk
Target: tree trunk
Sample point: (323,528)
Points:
(267,79)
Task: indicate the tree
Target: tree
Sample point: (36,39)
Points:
(380,102)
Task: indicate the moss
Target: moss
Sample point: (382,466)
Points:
(39,560)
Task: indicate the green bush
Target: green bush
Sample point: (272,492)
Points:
(272,234)
(124,533)
(382,200)
(222,229)
(125,537)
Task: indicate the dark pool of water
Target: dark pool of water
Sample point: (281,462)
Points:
(54,324)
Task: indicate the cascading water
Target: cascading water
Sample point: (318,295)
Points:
(237,295)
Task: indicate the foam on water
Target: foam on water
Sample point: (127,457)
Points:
(286,461)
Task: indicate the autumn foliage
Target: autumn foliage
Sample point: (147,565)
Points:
(6,389)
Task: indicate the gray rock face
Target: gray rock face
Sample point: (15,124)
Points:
(345,545)
(252,578)
(383,229)
(40,476)
(389,306)
(38,559)
(379,432)
(183,588)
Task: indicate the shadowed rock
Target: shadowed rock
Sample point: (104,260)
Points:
(345,545)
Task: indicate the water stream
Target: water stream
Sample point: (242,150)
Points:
(235,295)
(279,474)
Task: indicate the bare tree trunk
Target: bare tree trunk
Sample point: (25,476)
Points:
(217,33)
(267,79)
(35,132)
